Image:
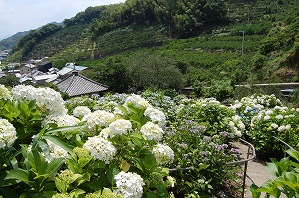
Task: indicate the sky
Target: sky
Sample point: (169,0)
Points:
(23,15)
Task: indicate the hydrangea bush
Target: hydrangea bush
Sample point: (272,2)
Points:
(204,148)
(267,119)
(88,154)
(268,125)
(120,145)
(213,115)
(249,106)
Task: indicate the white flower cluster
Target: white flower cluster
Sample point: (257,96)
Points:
(100,148)
(97,119)
(47,99)
(137,100)
(205,101)
(130,185)
(236,125)
(8,133)
(120,127)
(163,153)
(277,118)
(267,100)
(105,133)
(246,106)
(284,128)
(22,92)
(5,94)
(81,111)
(55,152)
(152,131)
(61,120)
(155,115)
(255,103)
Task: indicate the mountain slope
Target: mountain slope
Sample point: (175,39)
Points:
(203,48)
(10,42)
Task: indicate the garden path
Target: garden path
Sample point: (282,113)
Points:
(256,171)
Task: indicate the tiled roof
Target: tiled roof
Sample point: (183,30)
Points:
(76,85)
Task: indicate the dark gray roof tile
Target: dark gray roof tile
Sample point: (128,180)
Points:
(76,85)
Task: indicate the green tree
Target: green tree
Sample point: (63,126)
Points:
(9,80)
(220,89)
(148,71)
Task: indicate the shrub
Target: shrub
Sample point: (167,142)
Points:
(286,181)
(281,122)
(219,89)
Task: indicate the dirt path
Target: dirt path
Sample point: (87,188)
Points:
(257,172)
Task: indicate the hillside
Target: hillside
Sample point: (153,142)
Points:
(205,46)
(9,43)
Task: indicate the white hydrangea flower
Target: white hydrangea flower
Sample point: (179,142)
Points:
(281,128)
(152,131)
(55,152)
(274,126)
(279,117)
(241,125)
(51,100)
(100,148)
(236,131)
(288,127)
(8,133)
(163,153)
(267,117)
(236,118)
(47,99)
(117,111)
(130,185)
(247,109)
(237,126)
(5,94)
(120,127)
(156,116)
(269,112)
(231,124)
(61,120)
(280,108)
(259,106)
(105,133)
(98,118)
(22,92)
(81,111)
(137,100)
(259,117)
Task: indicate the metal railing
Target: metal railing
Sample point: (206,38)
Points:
(250,156)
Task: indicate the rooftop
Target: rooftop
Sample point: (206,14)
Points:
(76,85)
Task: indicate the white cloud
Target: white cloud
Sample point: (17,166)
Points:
(19,15)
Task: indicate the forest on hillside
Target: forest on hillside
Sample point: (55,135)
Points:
(127,46)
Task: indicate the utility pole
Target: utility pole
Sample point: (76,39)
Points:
(73,61)
(248,15)
(243,32)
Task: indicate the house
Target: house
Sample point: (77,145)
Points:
(42,79)
(45,66)
(25,69)
(77,85)
(67,70)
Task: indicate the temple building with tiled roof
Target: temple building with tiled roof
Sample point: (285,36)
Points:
(78,85)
